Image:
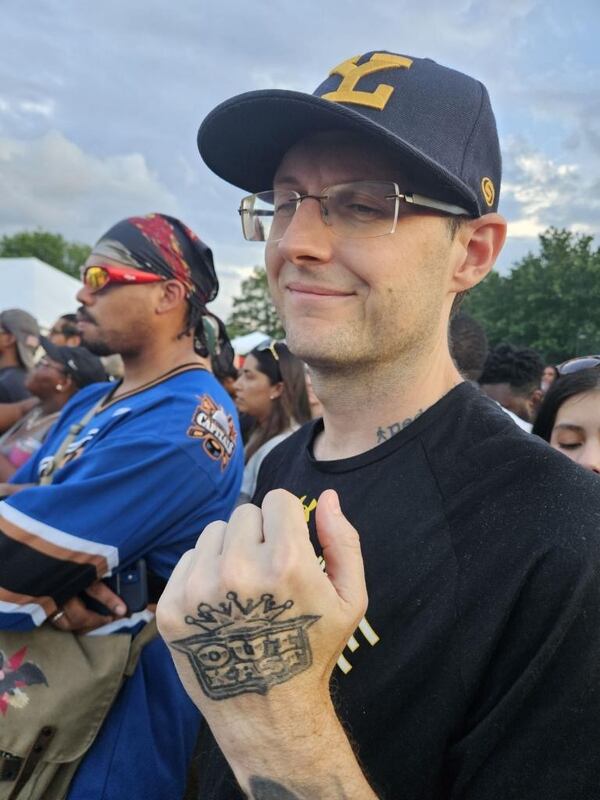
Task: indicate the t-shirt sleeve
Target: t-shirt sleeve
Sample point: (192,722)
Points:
(534,730)
(131,497)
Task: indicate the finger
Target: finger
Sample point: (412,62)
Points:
(103,594)
(244,529)
(341,550)
(210,541)
(284,521)
(76,617)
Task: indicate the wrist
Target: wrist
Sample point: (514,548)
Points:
(263,732)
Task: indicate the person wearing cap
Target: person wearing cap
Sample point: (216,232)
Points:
(19,336)
(418,598)
(54,380)
(148,463)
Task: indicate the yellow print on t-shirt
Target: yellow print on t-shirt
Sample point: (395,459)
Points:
(364,626)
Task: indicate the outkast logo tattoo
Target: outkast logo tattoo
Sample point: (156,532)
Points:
(215,428)
(244,647)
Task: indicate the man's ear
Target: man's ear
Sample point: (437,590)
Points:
(481,241)
(172,294)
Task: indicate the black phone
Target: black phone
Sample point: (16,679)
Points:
(130,583)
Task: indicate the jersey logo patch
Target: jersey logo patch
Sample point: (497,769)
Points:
(215,428)
(49,464)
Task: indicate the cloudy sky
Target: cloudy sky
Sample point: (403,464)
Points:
(100,103)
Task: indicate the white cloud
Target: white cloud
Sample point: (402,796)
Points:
(52,183)
(16,108)
(541,191)
(43,107)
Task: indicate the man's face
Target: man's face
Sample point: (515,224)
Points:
(348,301)
(61,334)
(118,318)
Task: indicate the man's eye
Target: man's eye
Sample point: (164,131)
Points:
(285,208)
(363,208)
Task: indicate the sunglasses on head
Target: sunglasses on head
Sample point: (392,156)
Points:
(99,276)
(270,346)
(576,364)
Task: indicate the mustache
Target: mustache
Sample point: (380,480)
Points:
(84,315)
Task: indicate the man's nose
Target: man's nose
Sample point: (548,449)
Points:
(307,238)
(85,296)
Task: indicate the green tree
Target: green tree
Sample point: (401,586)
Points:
(49,247)
(549,300)
(253,309)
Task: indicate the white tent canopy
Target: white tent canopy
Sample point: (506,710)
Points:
(38,288)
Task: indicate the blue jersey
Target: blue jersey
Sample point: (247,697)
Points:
(142,478)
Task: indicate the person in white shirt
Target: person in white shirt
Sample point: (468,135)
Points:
(271,388)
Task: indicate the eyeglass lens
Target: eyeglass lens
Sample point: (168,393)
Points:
(362,209)
(95,278)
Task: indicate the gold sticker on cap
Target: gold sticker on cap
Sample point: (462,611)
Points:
(489,193)
(351,74)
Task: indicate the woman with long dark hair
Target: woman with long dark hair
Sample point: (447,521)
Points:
(271,388)
(569,417)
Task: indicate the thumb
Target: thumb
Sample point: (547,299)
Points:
(341,550)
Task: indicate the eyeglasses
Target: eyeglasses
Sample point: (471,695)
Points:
(97,277)
(576,364)
(357,210)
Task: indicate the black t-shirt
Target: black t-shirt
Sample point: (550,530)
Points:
(12,384)
(476,672)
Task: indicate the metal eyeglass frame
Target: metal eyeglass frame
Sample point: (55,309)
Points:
(411,198)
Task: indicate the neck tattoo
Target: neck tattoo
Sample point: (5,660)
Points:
(385,433)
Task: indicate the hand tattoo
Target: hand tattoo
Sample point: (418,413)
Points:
(265,789)
(243,648)
(383,434)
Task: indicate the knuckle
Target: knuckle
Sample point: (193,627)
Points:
(230,577)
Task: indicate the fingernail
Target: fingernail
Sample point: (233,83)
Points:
(335,503)
(120,609)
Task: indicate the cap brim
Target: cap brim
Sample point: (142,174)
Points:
(53,350)
(244,139)
(26,355)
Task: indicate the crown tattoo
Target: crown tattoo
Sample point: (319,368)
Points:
(258,613)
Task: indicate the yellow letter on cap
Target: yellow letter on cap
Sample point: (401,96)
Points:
(351,74)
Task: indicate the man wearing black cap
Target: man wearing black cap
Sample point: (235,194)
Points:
(473,673)
(19,334)
(130,471)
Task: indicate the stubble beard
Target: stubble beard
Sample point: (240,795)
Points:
(98,348)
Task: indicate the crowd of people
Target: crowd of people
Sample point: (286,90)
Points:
(372,562)
(527,389)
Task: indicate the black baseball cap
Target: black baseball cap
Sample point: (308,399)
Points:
(438,120)
(84,367)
